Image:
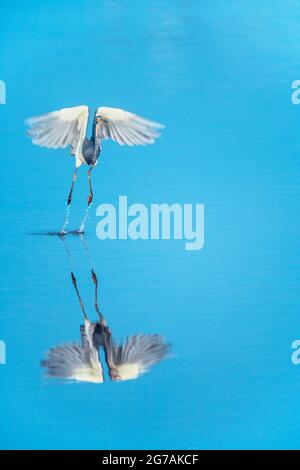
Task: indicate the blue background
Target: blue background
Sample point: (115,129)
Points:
(218,73)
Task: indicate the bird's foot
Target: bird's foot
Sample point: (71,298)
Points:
(90,199)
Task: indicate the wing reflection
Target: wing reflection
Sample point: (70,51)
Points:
(82,361)
(129,360)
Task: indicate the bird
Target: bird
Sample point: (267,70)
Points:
(127,361)
(68,127)
(79,362)
(124,361)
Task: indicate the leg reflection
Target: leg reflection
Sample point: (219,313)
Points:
(124,361)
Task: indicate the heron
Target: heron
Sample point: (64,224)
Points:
(79,362)
(68,127)
(124,361)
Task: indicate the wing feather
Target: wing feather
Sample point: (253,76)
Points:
(140,136)
(134,357)
(73,361)
(59,129)
(122,140)
(127,128)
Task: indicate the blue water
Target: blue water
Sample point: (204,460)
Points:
(218,73)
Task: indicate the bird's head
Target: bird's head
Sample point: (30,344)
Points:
(100,118)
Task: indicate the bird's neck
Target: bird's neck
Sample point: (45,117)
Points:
(95,137)
(96,130)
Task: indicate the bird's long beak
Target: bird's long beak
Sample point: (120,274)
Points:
(101,119)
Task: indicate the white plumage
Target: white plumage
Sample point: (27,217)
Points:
(129,360)
(127,128)
(75,361)
(68,126)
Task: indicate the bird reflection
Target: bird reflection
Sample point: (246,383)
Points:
(82,361)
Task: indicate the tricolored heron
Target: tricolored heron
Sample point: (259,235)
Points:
(124,361)
(68,127)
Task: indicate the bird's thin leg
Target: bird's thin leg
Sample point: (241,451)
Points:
(90,198)
(95,281)
(78,295)
(72,186)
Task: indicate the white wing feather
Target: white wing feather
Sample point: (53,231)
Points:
(60,128)
(127,128)
(75,361)
(135,356)
(72,361)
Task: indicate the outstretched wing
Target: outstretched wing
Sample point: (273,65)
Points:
(127,128)
(135,356)
(59,128)
(73,361)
